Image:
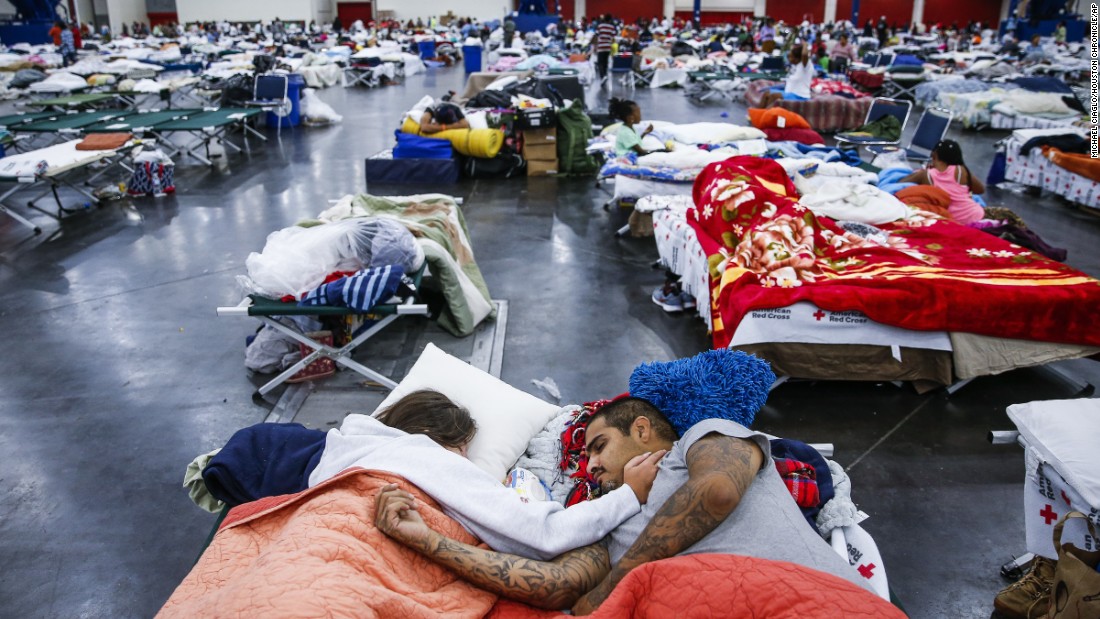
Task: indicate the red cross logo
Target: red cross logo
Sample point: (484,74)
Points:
(819,315)
(1048,514)
(866,571)
(1065,498)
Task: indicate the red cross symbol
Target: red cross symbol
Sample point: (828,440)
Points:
(1064,497)
(866,570)
(819,315)
(1048,514)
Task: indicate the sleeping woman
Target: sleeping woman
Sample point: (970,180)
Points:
(423,437)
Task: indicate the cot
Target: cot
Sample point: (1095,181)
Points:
(826,113)
(74,102)
(845,329)
(206,126)
(721,82)
(1059,439)
(64,125)
(138,122)
(1036,170)
(528,431)
(51,166)
(266,309)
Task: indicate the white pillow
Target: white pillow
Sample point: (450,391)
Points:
(507,418)
(1066,433)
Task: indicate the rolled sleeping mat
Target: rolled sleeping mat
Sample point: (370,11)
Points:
(479,143)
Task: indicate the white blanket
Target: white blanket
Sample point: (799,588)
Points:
(842,200)
(495,514)
(49,161)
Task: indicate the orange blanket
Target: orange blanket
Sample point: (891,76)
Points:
(1082,165)
(318,553)
(926,198)
(711,585)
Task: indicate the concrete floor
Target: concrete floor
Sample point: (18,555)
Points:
(118,372)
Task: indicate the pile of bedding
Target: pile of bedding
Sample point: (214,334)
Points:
(772,251)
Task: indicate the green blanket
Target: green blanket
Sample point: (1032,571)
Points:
(437,223)
(885,128)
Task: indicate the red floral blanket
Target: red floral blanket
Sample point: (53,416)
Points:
(767,251)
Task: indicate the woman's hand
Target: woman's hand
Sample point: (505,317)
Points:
(395,515)
(640,473)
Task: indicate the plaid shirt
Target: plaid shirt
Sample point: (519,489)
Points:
(801,480)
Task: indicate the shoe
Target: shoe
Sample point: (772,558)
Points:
(687,300)
(668,299)
(1029,597)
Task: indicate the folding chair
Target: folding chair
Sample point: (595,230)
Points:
(270,95)
(880,107)
(931,128)
(902,84)
(623,64)
(267,310)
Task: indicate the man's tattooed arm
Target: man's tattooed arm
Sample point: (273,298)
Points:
(555,584)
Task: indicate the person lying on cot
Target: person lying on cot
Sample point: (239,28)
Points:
(716,491)
(799,78)
(406,438)
(627,139)
(441,117)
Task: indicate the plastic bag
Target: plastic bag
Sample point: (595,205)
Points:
(316,111)
(296,260)
(891,159)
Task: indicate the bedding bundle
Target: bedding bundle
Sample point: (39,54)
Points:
(769,250)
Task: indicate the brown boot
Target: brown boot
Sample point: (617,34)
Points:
(1029,597)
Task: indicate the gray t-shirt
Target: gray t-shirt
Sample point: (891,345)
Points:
(766,523)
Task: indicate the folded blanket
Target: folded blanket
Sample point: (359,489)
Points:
(802,136)
(264,460)
(104,141)
(926,198)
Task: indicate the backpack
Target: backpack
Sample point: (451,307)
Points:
(506,164)
(237,90)
(491,99)
(574,131)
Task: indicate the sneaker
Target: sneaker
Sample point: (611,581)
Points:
(1029,597)
(669,300)
(687,300)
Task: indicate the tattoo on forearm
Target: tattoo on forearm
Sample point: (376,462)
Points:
(545,584)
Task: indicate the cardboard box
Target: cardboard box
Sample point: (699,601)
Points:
(540,152)
(541,168)
(533,137)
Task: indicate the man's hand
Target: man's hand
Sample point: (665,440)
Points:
(640,473)
(395,515)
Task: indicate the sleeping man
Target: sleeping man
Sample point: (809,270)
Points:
(716,491)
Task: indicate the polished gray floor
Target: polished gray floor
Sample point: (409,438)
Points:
(117,372)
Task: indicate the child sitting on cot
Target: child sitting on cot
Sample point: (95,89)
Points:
(799,78)
(627,139)
(948,171)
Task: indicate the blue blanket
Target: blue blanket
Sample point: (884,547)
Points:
(1043,84)
(267,459)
